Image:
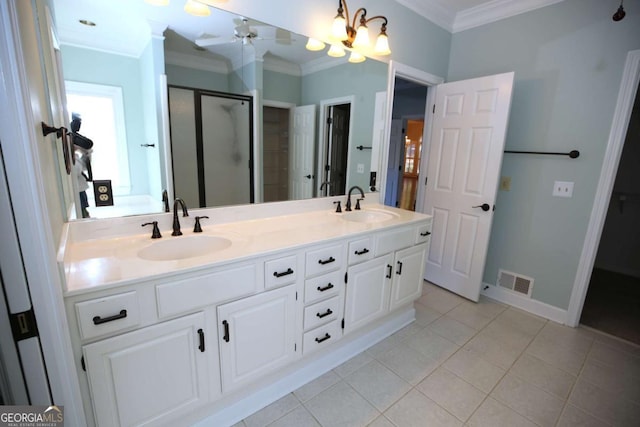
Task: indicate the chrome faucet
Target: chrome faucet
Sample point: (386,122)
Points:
(348,205)
(176,222)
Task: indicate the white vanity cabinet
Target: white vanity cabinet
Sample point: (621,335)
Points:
(367,293)
(408,275)
(257,335)
(154,374)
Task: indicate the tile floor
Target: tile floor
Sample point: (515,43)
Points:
(483,364)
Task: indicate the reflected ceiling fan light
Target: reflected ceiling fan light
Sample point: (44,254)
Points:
(195,8)
(356,57)
(314,44)
(382,43)
(336,51)
(157,2)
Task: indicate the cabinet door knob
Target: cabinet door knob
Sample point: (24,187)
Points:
(326,261)
(425,234)
(399,270)
(325,288)
(389,270)
(284,273)
(362,252)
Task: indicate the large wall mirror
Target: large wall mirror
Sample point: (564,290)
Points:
(133,77)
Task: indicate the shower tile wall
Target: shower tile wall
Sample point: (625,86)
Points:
(276,154)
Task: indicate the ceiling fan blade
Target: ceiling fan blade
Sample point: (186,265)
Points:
(214,41)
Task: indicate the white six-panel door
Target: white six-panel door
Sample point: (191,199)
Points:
(301,156)
(465,156)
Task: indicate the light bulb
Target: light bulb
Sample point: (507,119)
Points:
(356,57)
(157,2)
(382,45)
(339,29)
(336,51)
(314,44)
(362,37)
(195,8)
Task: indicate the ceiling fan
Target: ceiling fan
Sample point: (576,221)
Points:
(243,32)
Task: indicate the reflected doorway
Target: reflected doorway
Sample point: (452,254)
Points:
(275,153)
(334,147)
(405,144)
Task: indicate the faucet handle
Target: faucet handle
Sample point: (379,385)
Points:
(358,204)
(197,228)
(156,231)
(338,208)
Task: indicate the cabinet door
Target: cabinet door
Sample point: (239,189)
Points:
(151,375)
(257,335)
(407,276)
(367,295)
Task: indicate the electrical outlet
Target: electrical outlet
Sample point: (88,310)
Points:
(563,189)
(505,183)
(360,167)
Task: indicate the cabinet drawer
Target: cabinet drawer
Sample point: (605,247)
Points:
(106,315)
(360,250)
(393,240)
(323,286)
(423,233)
(280,272)
(323,260)
(224,285)
(322,312)
(321,337)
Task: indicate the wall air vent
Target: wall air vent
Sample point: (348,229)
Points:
(515,282)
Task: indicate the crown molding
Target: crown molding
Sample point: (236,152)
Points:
(281,66)
(322,63)
(495,10)
(485,13)
(196,62)
(433,11)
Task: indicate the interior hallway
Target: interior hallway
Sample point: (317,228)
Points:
(469,364)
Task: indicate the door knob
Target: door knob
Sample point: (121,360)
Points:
(308,176)
(485,206)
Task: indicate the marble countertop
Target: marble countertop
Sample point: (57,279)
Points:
(97,263)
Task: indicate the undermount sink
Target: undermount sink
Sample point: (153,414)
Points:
(183,247)
(368,216)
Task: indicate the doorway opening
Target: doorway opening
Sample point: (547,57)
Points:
(275,153)
(405,143)
(333,166)
(612,304)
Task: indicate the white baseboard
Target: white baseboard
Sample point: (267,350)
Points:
(524,303)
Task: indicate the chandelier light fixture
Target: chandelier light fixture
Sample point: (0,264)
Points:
(345,34)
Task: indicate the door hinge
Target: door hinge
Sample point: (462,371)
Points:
(23,325)
(84,367)
(346,277)
(342,324)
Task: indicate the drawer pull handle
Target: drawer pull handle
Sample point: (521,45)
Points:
(226,330)
(324,338)
(325,314)
(97,320)
(284,273)
(362,252)
(389,270)
(399,270)
(201,335)
(326,261)
(425,234)
(326,288)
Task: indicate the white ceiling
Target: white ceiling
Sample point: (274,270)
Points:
(128,33)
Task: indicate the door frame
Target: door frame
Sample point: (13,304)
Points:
(322,133)
(397,69)
(617,135)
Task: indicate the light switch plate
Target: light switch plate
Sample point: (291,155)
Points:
(563,189)
(360,167)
